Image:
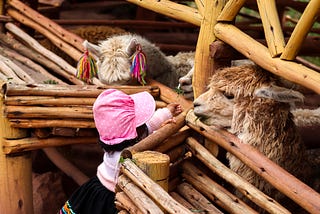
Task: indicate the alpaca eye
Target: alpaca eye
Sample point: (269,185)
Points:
(228,96)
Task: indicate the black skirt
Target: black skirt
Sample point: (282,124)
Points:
(91,197)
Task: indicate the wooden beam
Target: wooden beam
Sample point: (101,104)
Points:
(301,30)
(271,25)
(171,9)
(258,53)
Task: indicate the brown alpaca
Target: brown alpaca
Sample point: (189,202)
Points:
(260,116)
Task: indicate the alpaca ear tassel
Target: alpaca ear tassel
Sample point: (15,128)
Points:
(138,68)
(86,67)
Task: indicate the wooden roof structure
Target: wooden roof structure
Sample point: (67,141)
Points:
(36,106)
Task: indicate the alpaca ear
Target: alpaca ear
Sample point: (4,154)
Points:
(95,50)
(131,48)
(279,94)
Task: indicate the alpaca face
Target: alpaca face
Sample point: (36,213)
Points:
(214,107)
(113,57)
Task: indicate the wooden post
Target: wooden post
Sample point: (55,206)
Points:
(15,173)
(155,165)
(204,65)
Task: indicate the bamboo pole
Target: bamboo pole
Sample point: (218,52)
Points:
(138,197)
(231,10)
(286,183)
(73,52)
(261,56)
(200,202)
(84,91)
(301,30)
(237,181)
(171,9)
(65,35)
(15,174)
(213,190)
(203,65)
(159,195)
(33,143)
(271,25)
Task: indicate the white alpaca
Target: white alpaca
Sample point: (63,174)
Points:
(114,57)
(248,100)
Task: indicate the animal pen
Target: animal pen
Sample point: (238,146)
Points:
(38,116)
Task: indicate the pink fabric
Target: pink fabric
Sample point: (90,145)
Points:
(116,116)
(160,116)
(108,170)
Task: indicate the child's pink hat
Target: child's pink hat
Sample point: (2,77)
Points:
(116,114)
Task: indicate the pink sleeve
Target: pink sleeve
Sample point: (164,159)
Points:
(159,116)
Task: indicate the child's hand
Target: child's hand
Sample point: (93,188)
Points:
(174,108)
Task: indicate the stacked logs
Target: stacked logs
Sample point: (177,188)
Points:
(199,181)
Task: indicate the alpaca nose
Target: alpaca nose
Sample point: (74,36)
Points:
(196,104)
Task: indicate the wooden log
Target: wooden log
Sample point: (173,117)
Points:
(171,9)
(271,25)
(139,198)
(48,101)
(73,52)
(15,175)
(214,191)
(231,10)
(32,143)
(22,49)
(155,165)
(200,202)
(202,61)
(159,195)
(87,91)
(122,201)
(200,6)
(35,45)
(17,70)
(173,141)
(65,166)
(301,30)
(62,33)
(261,56)
(177,153)
(84,112)
(289,185)
(29,63)
(183,201)
(56,101)
(51,123)
(234,179)
(156,138)
(7,71)
(170,96)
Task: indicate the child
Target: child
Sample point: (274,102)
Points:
(122,120)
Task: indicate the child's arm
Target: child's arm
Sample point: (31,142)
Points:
(163,116)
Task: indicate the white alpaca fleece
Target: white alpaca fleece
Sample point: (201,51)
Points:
(114,57)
